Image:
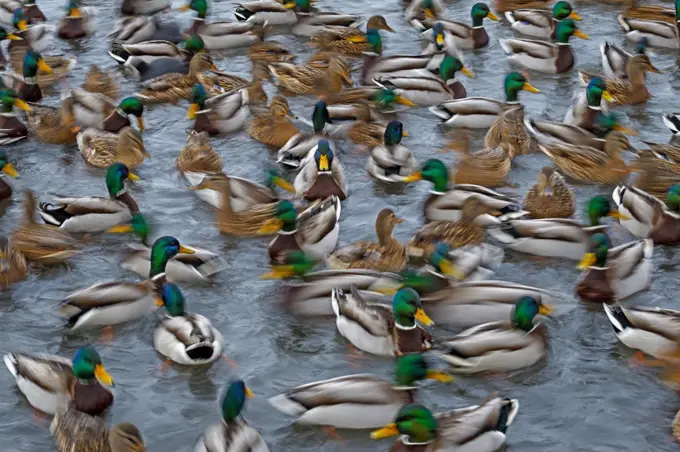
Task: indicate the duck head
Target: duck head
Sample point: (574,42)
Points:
(285,219)
(133,106)
(479,12)
(598,207)
(526,308)
(394,132)
(197,99)
(116,175)
(139,226)
(514,83)
(450,65)
(567,28)
(320,116)
(34,61)
(172,298)
(408,309)
(563,10)
(596,90)
(433,171)
(233,400)
(415,422)
(414,367)
(598,250)
(6,167)
(295,263)
(162,250)
(87,365)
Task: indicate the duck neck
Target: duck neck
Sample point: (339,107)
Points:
(116,121)
(636,76)
(225,191)
(126,199)
(385,237)
(402,322)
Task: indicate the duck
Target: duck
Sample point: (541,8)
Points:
(40,243)
(511,5)
(224,113)
(466,37)
(376,329)
(658,33)
(540,23)
(114,302)
(143,7)
(183,338)
(7,168)
(32,13)
(36,36)
(488,167)
(138,29)
(11,129)
(353,41)
(482,427)
(508,134)
(13,267)
(93,213)
(632,90)
(5,35)
(547,133)
(648,217)
(53,68)
(26,86)
(270,11)
(232,431)
(555,237)
(481,112)
(550,196)
(656,173)
(77,23)
(445,203)
(586,110)
(315,230)
(299,146)
(391,161)
(615,59)
(74,431)
(499,346)
(102,149)
(319,22)
(347,396)
(321,175)
(294,79)
(387,255)
(614,273)
(100,112)
(648,12)
(275,127)
(198,156)
(541,56)
(52,383)
(54,125)
(423,9)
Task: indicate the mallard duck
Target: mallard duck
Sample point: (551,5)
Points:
(631,90)
(183,338)
(41,243)
(113,302)
(423,9)
(614,273)
(615,59)
(26,86)
(7,168)
(270,11)
(511,5)
(445,203)
(4,34)
(549,197)
(386,255)
(348,406)
(77,23)
(540,23)
(143,7)
(377,329)
(94,213)
(547,133)
(173,87)
(294,79)
(52,383)
(232,431)
(656,173)
(74,431)
(321,175)
(11,129)
(586,164)
(488,167)
(648,12)
(319,22)
(102,149)
(13,267)
(137,29)
(98,111)
(31,12)
(53,125)
(353,41)
(554,237)
(657,33)
(224,113)
(52,69)
(587,108)
(274,128)
(542,56)
(391,161)
(198,155)
(315,230)
(447,266)
(37,37)
(466,37)
(481,112)
(647,217)
(297,149)
(481,428)
(100,82)
(500,346)
(509,134)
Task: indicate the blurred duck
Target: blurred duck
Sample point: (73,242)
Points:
(294,79)
(32,13)
(11,129)
(540,23)
(74,431)
(465,37)
(137,29)
(102,149)
(586,109)
(100,82)
(648,217)
(391,161)
(4,34)
(549,197)
(55,125)
(270,11)
(224,113)
(658,33)
(299,146)
(648,12)
(27,86)
(98,111)
(319,22)
(615,59)
(512,5)
(423,9)
(143,7)
(275,127)
(13,266)
(321,175)
(488,167)
(656,172)
(7,168)
(174,87)
(77,23)
(353,41)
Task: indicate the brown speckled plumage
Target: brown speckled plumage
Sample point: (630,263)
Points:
(13,267)
(198,155)
(273,128)
(558,202)
(100,82)
(54,125)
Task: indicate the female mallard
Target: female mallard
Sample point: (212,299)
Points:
(488,167)
(52,383)
(388,255)
(198,156)
(321,175)
(377,329)
(657,33)
(174,87)
(586,110)
(144,7)
(445,203)
(542,56)
(353,41)
(102,149)
(270,11)
(481,112)
(615,59)
(540,23)
(315,230)
(466,37)
(391,161)
(7,168)
(632,90)
(299,146)
(27,87)
(98,111)
(113,302)
(232,432)
(554,237)
(509,134)
(94,213)
(481,428)
(648,217)
(500,346)
(224,113)
(74,431)
(77,23)
(306,80)
(275,127)
(649,12)
(358,401)
(614,273)
(4,34)
(13,266)
(184,338)
(41,243)
(656,173)
(54,125)
(549,197)
(11,129)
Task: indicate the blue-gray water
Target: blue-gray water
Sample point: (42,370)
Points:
(585,397)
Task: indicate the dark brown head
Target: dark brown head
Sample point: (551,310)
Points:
(126,437)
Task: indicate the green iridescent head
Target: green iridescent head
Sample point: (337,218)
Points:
(320,116)
(441,261)
(514,83)
(526,308)
(433,171)
(598,250)
(374,41)
(233,400)
(162,250)
(563,10)
(323,156)
(72,8)
(4,34)
(139,226)
(173,299)
(200,6)
(385,97)
(411,368)
(295,264)
(567,28)
(274,179)
(677,9)
(285,217)
(197,99)
(116,175)
(132,106)
(641,45)
(598,207)
(6,167)
(87,365)
(394,132)
(9,100)
(438,35)
(33,62)
(594,91)
(481,11)
(19,19)
(673,198)
(193,44)
(408,308)
(415,422)
(450,65)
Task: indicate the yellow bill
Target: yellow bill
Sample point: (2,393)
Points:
(529,87)
(133,176)
(385,432)
(404,101)
(193,109)
(358,38)
(439,39)
(654,69)
(13,37)
(159,302)
(580,34)
(290,5)
(283,183)
(75,129)
(492,16)
(626,130)
(213,67)
(323,163)
(588,260)
(607,96)
(386,290)
(346,78)
(429,14)
(572,15)
(544,309)
(140,123)
(439,376)
(102,375)
(249,393)
(10,170)
(184,8)
(404,133)
(413,177)
(423,318)
(120,229)
(271,226)
(278,272)
(75,12)
(619,216)
(22,25)
(22,105)
(44,66)
(450,270)
(146,154)
(185,250)
(467,72)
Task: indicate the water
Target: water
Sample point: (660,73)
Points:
(585,397)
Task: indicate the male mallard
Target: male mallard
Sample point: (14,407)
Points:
(315,230)
(41,243)
(488,167)
(113,302)
(31,12)
(391,161)
(275,127)
(549,197)
(547,133)
(52,383)
(648,217)
(649,12)
(232,432)
(321,175)
(540,23)
(586,110)
(98,111)
(542,56)
(173,87)
(615,59)
(377,329)
(481,428)
(353,41)
(11,129)
(137,29)
(74,431)
(77,23)
(554,237)
(4,34)
(481,112)
(294,79)
(13,267)
(94,213)
(143,7)
(657,33)
(466,37)
(53,68)
(358,401)
(387,255)
(183,338)
(102,149)
(614,273)
(224,113)
(7,168)
(270,11)
(38,37)
(500,346)
(53,125)
(423,9)
(27,87)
